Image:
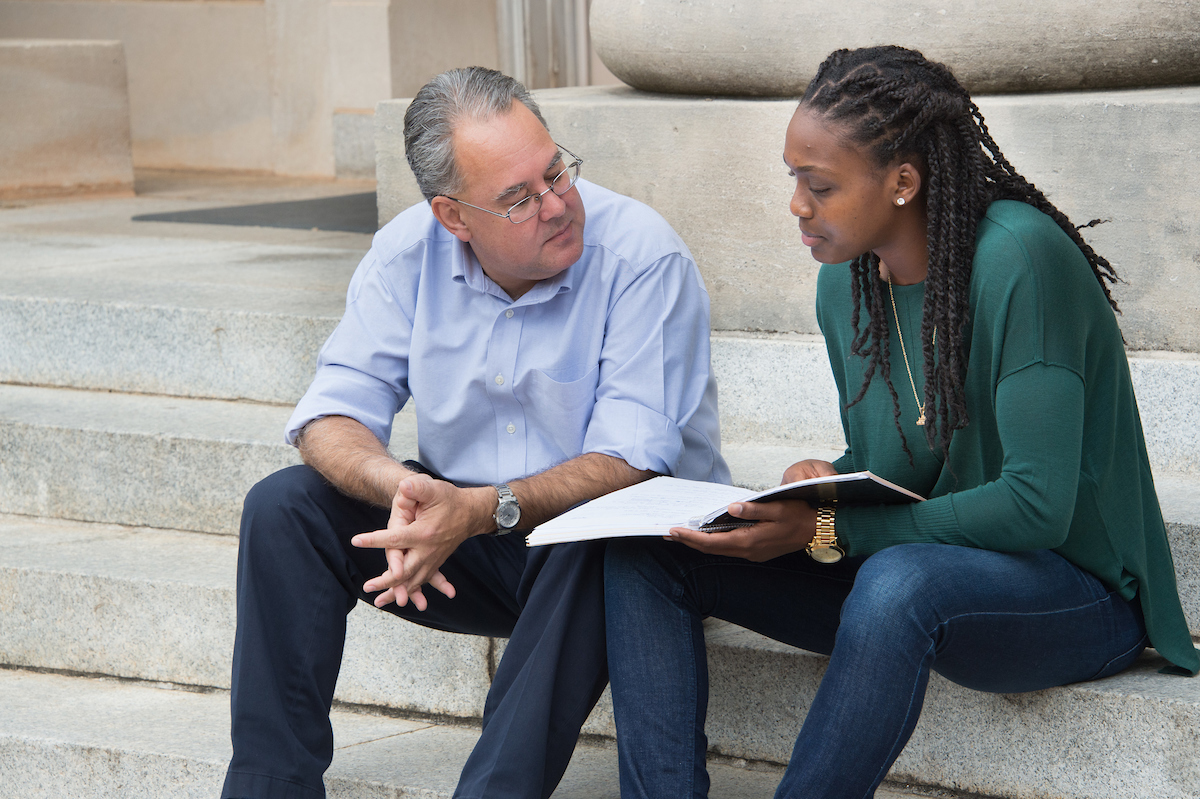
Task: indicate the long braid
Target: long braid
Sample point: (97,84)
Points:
(867,289)
(899,105)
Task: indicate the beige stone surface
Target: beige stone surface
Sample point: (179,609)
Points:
(429,38)
(199,101)
(212,84)
(360,69)
(66,118)
(297,40)
(772,47)
(713,168)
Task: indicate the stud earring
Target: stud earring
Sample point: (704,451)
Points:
(899,201)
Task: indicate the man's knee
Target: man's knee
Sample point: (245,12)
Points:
(283,488)
(278,503)
(568,559)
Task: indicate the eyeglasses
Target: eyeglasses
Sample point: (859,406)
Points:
(528,208)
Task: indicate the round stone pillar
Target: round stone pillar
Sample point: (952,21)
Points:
(772,47)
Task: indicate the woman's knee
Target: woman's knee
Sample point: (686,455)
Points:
(902,572)
(644,570)
(627,561)
(644,559)
(895,587)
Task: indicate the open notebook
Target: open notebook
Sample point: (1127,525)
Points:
(655,506)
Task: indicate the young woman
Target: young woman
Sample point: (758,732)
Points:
(974,344)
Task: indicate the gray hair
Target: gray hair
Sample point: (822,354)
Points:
(468,94)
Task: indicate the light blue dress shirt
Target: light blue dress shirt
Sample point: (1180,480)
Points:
(609,356)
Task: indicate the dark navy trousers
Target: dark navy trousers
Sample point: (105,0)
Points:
(298,577)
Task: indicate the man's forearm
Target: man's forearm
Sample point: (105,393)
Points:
(349,456)
(547,494)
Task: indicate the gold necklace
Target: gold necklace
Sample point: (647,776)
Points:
(904,352)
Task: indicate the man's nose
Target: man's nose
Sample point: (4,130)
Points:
(552,206)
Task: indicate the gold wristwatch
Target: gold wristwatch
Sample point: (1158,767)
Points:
(824,546)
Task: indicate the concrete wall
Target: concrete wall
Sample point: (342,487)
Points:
(212,84)
(714,170)
(66,118)
(200,76)
(430,37)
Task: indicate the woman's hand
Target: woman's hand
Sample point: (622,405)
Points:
(782,528)
(806,470)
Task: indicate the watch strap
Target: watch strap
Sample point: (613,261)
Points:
(824,546)
(508,510)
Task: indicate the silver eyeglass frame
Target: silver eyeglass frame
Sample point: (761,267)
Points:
(535,199)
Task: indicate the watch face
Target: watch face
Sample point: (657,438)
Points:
(826,555)
(508,514)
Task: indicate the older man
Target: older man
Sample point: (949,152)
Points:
(550,361)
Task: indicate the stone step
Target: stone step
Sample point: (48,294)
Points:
(186,464)
(160,605)
(187,317)
(1132,735)
(109,618)
(135,459)
(91,738)
(235,343)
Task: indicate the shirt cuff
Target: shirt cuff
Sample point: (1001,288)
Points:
(643,438)
(340,391)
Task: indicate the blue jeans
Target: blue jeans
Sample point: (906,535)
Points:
(991,621)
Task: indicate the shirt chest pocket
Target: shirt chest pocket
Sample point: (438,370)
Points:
(558,411)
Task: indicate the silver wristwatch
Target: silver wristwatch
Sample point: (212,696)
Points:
(508,512)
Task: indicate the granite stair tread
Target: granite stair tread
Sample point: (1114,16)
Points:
(156,604)
(155,461)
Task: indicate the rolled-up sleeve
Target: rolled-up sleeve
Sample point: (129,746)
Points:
(655,379)
(362,370)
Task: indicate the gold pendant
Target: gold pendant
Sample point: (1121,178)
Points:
(921,419)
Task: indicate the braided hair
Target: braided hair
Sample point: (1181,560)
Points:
(896,104)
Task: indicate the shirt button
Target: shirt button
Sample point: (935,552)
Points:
(499,380)
(512,428)
(509,313)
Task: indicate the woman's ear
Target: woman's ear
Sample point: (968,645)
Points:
(450,215)
(907,183)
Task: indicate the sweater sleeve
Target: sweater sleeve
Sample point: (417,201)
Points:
(1039,414)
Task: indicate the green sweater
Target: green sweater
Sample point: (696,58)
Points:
(1053,456)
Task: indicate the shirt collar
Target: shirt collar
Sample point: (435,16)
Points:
(465,269)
